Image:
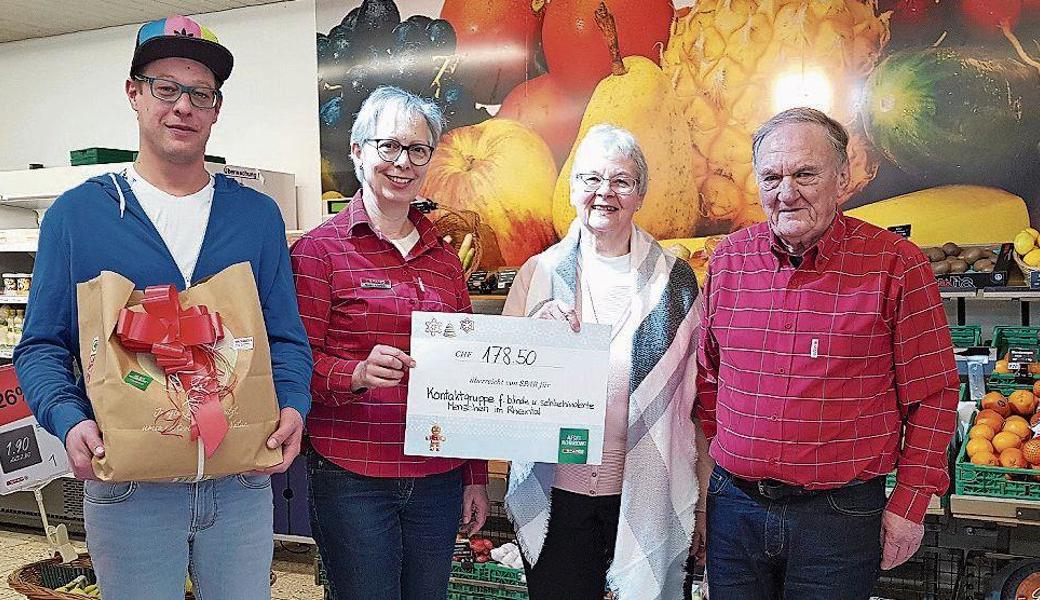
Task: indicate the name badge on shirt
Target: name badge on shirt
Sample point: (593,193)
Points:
(375,284)
(814,348)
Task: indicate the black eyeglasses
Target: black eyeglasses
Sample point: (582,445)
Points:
(171,91)
(390,150)
(620,185)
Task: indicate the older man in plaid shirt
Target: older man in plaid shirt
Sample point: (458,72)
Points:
(825,362)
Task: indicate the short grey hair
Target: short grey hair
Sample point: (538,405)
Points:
(388,97)
(837,135)
(615,141)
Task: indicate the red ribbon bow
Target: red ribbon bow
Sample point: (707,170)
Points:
(175,336)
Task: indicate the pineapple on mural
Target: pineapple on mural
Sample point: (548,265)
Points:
(734,63)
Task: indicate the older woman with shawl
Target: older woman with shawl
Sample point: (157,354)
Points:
(627,523)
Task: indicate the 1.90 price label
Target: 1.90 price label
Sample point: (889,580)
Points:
(19,449)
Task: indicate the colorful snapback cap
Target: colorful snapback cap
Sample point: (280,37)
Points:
(177,36)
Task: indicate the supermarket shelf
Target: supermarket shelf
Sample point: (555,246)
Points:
(1012,293)
(20,247)
(30,202)
(1001,510)
(296,539)
(14,299)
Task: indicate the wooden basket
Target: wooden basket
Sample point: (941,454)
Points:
(29,580)
(1026,269)
(455,224)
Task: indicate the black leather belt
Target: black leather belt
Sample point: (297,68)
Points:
(777,490)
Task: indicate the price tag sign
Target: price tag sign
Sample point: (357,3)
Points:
(19,449)
(29,456)
(903,230)
(1034,280)
(1019,358)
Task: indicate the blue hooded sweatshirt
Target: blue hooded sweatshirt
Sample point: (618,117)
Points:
(97,227)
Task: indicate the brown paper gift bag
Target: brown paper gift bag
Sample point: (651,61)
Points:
(143,414)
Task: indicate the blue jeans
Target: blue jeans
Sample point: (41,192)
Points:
(824,546)
(144,537)
(384,538)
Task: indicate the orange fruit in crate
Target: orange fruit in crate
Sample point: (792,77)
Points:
(976,445)
(982,431)
(1031,450)
(1017,427)
(1001,366)
(985,458)
(1034,368)
(990,417)
(1033,420)
(1006,439)
(1022,402)
(1036,388)
(1013,458)
(996,402)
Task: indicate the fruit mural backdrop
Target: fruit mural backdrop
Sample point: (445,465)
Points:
(941,97)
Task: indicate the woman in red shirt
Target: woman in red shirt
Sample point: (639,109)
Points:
(385,523)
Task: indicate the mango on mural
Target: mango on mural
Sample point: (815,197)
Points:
(941,98)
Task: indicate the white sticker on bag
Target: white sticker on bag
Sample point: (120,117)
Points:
(239,344)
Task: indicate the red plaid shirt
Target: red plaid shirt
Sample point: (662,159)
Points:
(809,374)
(355,291)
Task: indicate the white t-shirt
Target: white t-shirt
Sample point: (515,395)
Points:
(404,245)
(607,284)
(180,220)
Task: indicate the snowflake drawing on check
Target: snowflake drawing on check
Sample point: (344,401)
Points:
(434,327)
(467,325)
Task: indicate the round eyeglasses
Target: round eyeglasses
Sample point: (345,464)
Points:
(390,150)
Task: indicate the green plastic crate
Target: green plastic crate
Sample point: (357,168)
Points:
(100,156)
(1005,337)
(489,571)
(460,589)
(1005,387)
(984,480)
(104,156)
(966,335)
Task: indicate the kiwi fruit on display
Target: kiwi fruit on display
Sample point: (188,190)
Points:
(952,259)
(934,254)
(983,265)
(971,255)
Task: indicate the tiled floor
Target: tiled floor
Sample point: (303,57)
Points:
(294,565)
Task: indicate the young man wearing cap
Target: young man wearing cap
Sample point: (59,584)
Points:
(165,220)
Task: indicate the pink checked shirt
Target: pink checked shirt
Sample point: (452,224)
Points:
(808,375)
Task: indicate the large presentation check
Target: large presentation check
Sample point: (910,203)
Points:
(506,388)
